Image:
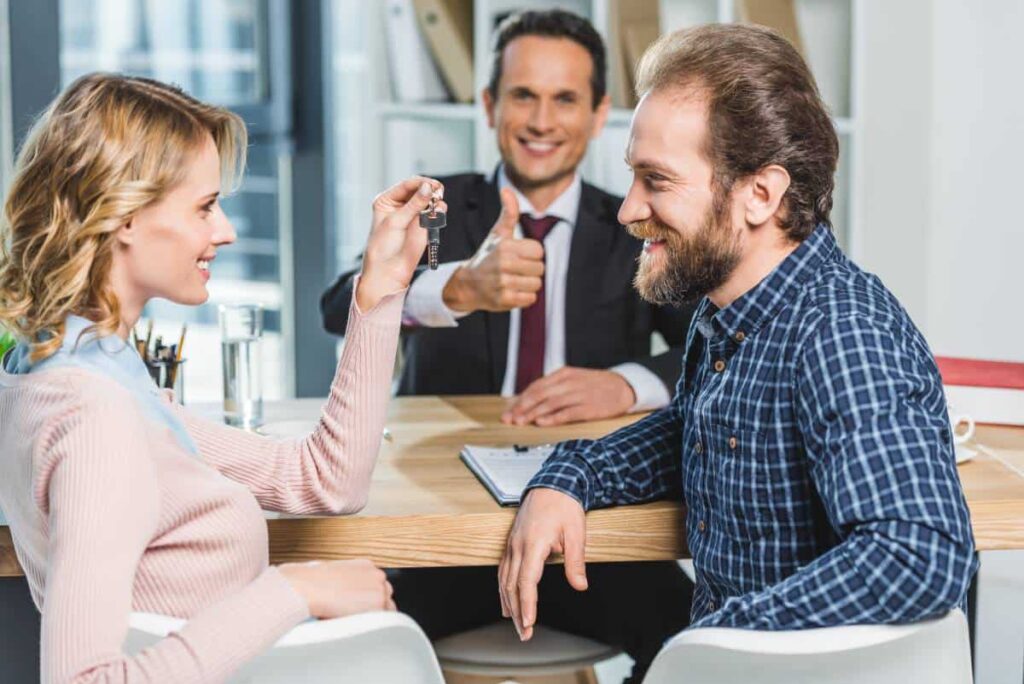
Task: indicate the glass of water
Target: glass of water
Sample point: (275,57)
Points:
(241,326)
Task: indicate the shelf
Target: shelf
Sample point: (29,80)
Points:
(449,111)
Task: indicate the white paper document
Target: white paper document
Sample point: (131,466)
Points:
(505,471)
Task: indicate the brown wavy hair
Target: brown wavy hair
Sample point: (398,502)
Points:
(764,108)
(107,147)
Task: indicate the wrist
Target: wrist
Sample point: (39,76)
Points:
(293,574)
(372,288)
(455,293)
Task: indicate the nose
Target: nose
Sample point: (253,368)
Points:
(541,117)
(224,232)
(634,207)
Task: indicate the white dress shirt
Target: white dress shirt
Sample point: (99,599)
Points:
(424,304)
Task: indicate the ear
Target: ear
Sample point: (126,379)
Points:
(489,104)
(126,233)
(601,116)
(763,194)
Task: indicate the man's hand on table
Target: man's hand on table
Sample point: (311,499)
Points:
(570,395)
(548,522)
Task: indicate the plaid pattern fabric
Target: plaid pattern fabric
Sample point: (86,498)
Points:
(809,438)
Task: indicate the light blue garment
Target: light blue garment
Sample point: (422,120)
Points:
(112,357)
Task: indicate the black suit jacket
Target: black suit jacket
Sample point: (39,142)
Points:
(606,321)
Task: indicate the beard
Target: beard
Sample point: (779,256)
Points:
(688,266)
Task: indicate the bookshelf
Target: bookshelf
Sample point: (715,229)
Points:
(385,140)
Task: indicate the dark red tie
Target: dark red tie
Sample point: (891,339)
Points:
(530,363)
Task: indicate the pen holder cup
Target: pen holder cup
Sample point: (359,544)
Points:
(169,374)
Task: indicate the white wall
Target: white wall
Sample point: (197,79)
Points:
(976,251)
(943,145)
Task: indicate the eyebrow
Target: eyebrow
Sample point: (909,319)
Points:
(649,165)
(212,195)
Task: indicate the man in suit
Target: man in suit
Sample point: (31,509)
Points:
(535,299)
(534,295)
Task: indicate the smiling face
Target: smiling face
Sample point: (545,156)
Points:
(166,249)
(544,113)
(691,243)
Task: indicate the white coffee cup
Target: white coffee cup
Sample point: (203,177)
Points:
(962,426)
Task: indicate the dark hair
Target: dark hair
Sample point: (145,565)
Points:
(763,108)
(554,23)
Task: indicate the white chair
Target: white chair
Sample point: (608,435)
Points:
(936,651)
(370,648)
(493,653)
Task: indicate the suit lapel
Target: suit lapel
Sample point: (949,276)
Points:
(482,210)
(590,250)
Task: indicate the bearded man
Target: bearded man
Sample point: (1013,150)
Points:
(808,434)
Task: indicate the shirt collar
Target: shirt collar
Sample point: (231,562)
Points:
(747,314)
(566,206)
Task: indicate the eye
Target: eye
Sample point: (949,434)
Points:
(207,208)
(567,98)
(655,181)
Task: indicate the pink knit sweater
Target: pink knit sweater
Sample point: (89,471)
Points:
(109,515)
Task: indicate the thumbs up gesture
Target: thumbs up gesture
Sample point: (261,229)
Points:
(505,273)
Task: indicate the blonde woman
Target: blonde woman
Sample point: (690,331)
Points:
(118,500)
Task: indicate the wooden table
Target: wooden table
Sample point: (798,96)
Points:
(427,509)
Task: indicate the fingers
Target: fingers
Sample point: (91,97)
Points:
(574,543)
(569,414)
(526,584)
(411,202)
(512,589)
(509,217)
(502,574)
(402,191)
(529,404)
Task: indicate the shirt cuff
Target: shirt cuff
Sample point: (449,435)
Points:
(650,391)
(564,473)
(424,305)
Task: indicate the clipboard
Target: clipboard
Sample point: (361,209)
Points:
(505,471)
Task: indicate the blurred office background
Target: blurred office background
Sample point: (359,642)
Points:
(341,100)
(339,106)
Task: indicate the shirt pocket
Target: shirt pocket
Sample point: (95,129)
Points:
(750,503)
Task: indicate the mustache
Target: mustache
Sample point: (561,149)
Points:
(649,230)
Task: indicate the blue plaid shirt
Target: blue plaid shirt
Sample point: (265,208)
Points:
(809,438)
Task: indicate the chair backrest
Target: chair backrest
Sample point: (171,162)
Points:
(935,651)
(369,648)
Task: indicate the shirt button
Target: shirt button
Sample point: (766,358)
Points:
(711,606)
(740,336)
(733,443)
(719,366)
(698,447)
(701,526)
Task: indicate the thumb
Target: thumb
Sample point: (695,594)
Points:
(508,220)
(575,566)
(419,201)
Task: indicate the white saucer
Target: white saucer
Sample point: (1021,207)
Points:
(287,428)
(964,453)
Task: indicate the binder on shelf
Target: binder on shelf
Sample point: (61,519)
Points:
(414,76)
(448,27)
(988,391)
(775,14)
(633,26)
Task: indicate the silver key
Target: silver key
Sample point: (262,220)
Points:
(433,221)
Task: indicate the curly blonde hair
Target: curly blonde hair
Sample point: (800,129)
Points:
(106,148)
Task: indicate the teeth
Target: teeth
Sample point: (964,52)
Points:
(540,147)
(203,265)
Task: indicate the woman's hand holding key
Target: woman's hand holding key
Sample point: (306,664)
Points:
(396,241)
